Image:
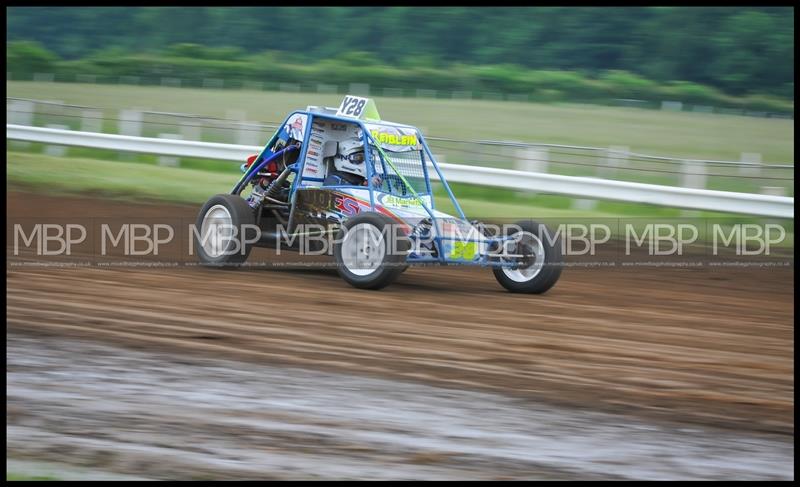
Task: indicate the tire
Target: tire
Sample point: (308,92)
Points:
(363,253)
(539,275)
(223,251)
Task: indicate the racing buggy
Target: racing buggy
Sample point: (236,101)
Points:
(342,181)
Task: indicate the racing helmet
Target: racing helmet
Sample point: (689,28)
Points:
(350,157)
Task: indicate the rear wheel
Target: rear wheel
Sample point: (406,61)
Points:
(225,231)
(370,251)
(535,262)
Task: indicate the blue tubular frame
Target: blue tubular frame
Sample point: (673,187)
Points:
(370,164)
(299,167)
(428,180)
(442,179)
(255,168)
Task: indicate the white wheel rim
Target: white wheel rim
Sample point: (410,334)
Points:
(363,249)
(219,225)
(527,242)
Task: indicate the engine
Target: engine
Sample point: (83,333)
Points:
(270,185)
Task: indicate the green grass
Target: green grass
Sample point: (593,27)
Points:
(144,179)
(134,180)
(679,134)
(137,181)
(17,476)
(121,180)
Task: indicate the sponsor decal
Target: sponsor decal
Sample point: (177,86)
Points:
(394,139)
(312,153)
(338,126)
(315,140)
(295,127)
(346,205)
(391,200)
(464,250)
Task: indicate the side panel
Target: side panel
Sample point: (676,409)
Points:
(325,206)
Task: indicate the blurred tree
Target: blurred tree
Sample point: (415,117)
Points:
(739,49)
(29,57)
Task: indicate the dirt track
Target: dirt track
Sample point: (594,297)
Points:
(709,346)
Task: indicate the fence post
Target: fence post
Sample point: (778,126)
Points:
(213,83)
(531,159)
(753,158)
(19,112)
(773,190)
(91,120)
(172,82)
(191,129)
(325,88)
(170,161)
(43,77)
(359,89)
(248,134)
(56,150)
(693,175)
(611,156)
(130,123)
(393,92)
(290,87)
(253,85)
(616,158)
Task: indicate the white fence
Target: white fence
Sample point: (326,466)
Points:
(581,187)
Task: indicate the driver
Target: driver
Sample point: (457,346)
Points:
(348,165)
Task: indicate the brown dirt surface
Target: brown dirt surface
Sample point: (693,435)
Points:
(713,346)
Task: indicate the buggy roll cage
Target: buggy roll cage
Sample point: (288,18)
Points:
(369,140)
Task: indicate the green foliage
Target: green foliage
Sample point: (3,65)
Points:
(29,57)
(194,63)
(197,51)
(726,57)
(621,84)
(738,50)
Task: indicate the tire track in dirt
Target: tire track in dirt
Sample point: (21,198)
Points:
(173,416)
(707,345)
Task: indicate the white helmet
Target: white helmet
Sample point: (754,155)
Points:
(350,157)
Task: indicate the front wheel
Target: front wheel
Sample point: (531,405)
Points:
(370,251)
(534,261)
(225,231)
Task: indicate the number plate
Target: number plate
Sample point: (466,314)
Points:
(464,250)
(352,106)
